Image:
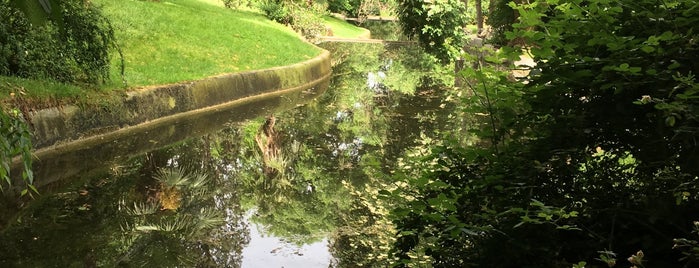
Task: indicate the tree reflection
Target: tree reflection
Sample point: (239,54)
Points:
(165,208)
(334,154)
(309,173)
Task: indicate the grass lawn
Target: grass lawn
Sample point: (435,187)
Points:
(178,40)
(344,29)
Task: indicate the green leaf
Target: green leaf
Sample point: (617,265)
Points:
(670,121)
(469,232)
(674,65)
(647,49)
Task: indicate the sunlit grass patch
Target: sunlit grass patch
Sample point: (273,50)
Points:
(171,41)
(341,28)
(179,40)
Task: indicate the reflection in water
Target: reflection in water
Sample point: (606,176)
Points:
(309,178)
(270,251)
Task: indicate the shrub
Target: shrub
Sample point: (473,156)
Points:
(277,11)
(305,20)
(346,7)
(73,48)
(307,23)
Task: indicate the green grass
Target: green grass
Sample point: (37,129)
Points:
(36,89)
(344,29)
(178,40)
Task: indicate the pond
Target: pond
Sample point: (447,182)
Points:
(273,188)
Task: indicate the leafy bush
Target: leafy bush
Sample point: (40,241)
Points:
(28,51)
(346,7)
(228,3)
(308,23)
(75,48)
(436,24)
(87,36)
(15,141)
(306,20)
(501,20)
(277,10)
(594,157)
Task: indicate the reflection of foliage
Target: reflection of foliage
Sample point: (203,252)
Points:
(80,225)
(365,233)
(349,134)
(177,191)
(268,141)
(290,200)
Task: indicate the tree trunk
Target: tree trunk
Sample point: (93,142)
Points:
(479,16)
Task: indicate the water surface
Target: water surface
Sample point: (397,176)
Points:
(291,188)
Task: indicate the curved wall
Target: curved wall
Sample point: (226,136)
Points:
(57,126)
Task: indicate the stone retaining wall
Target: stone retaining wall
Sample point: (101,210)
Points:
(55,126)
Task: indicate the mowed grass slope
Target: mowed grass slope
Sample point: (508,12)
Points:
(172,41)
(344,29)
(178,40)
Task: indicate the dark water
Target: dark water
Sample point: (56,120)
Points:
(269,188)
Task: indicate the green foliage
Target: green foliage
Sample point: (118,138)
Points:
(87,37)
(308,21)
(346,7)
(276,10)
(358,8)
(437,25)
(228,3)
(596,152)
(607,71)
(689,247)
(15,141)
(71,48)
(305,19)
(501,20)
(344,29)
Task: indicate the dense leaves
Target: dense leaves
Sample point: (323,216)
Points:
(304,18)
(72,46)
(436,24)
(592,160)
(15,142)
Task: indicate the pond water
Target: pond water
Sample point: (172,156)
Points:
(291,188)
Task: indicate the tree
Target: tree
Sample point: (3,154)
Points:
(438,25)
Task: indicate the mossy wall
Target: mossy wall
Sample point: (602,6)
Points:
(55,126)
